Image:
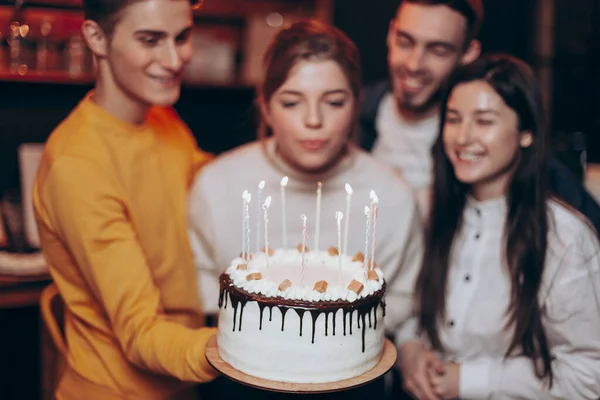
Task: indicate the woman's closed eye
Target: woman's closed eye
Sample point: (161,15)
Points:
(453,119)
(484,122)
(336,100)
(338,104)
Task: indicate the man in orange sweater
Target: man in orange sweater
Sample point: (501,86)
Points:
(110,200)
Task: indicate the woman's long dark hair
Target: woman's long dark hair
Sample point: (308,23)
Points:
(526,228)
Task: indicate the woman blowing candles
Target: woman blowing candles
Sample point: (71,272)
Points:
(111,206)
(508,294)
(308,100)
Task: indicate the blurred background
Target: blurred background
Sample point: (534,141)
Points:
(45,70)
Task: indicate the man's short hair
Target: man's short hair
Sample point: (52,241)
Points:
(472,10)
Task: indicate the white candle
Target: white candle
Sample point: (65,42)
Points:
(265,208)
(339,216)
(367,238)
(244,200)
(318,215)
(304,237)
(284,182)
(247,216)
(349,192)
(261,186)
(374,205)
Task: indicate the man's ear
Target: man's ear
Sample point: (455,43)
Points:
(472,53)
(391,33)
(95,38)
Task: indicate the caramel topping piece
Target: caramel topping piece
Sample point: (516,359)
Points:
(243,255)
(284,285)
(321,286)
(255,276)
(300,248)
(355,286)
(242,267)
(372,275)
(360,257)
(271,251)
(333,251)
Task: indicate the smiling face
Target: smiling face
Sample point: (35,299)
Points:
(311,115)
(482,138)
(142,60)
(425,44)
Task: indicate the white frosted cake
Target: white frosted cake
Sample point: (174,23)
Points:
(279,323)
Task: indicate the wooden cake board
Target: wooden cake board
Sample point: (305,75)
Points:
(388,358)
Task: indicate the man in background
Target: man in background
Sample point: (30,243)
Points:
(399,120)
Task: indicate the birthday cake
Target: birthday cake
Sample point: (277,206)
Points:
(301,316)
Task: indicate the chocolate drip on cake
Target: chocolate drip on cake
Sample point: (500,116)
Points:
(351,312)
(315,314)
(333,319)
(234,304)
(261,308)
(241,315)
(364,328)
(363,306)
(375,316)
(300,313)
(222,297)
(283,311)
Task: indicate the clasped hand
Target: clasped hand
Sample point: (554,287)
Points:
(425,376)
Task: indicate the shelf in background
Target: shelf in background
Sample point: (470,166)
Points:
(213,8)
(230,37)
(60,77)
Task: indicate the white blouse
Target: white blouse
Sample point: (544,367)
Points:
(478,298)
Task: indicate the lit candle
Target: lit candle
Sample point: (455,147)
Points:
(247,216)
(304,237)
(318,215)
(284,182)
(339,216)
(349,192)
(244,199)
(374,205)
(265,208)
(367,237)
(261,186)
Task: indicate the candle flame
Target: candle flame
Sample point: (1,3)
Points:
(374,197)
(246,196)
(261,185)
(367,211)
(349,189)
(284,181)
(339,215)
(319,184)
(303,217)
(267,203)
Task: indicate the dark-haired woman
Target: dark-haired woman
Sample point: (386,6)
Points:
(111,200)
(507,298)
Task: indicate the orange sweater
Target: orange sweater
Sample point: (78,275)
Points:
(110,200)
